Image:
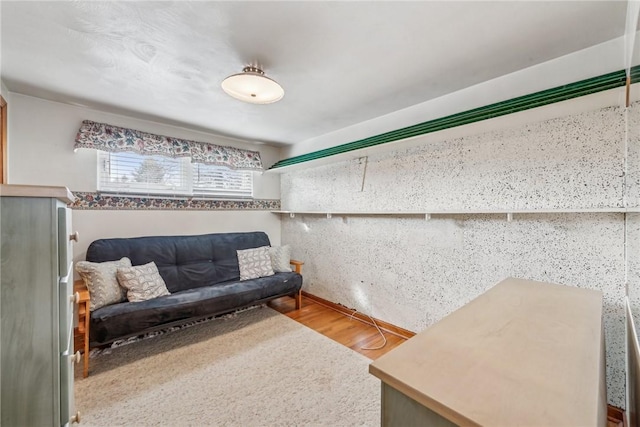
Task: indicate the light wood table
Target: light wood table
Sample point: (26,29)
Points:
(81,333)
(524,353)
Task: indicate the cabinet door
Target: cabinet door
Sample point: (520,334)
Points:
(67,403)
(65,251)
(29,326)
(66,304)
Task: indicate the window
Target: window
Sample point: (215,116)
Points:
(133,173)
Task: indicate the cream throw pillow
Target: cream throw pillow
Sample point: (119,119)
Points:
(254,263)
(280,258)
(142,282)
(101,281)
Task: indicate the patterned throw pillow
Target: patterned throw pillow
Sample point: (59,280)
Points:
(280,258)
(254,263)
(101,281)
(142,282)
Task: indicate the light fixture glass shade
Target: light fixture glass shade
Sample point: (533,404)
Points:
(253,86)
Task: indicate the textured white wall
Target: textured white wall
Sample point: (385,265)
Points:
(41,153)
(633,220)
(413,272)
(572,162)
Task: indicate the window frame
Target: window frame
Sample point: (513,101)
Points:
(186,189)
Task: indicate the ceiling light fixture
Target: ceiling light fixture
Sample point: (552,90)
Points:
(251,85)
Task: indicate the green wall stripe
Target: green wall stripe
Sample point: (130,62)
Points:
(538,99)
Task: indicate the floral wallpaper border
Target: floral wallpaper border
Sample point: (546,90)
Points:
(104,137)
(97,201)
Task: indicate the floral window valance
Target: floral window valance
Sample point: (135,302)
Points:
(104,137)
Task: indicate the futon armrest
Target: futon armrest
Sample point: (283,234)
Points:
(297,265)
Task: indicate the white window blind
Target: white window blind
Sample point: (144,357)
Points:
(221,181)
(131,173)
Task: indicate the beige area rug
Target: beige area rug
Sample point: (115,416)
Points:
(255,368)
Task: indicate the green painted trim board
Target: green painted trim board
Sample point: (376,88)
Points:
(538,99)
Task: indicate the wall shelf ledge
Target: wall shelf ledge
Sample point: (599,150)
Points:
(427,215)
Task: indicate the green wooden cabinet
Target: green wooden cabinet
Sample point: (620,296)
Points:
(36,307)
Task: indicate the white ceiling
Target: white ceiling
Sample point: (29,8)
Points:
(340,63)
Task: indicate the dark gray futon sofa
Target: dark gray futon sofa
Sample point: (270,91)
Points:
(202,274)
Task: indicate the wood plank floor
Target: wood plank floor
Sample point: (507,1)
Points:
(349,332)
